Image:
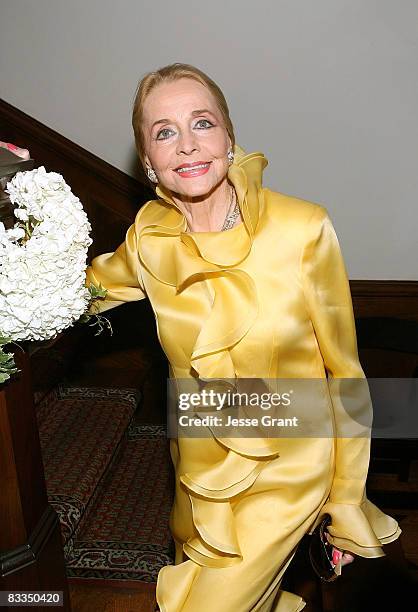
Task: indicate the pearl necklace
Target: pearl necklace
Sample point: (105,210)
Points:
(232,216)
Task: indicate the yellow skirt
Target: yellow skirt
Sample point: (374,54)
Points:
(237,520)
(241,508)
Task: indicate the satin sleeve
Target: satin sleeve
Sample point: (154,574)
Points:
(119,273)
(357,524)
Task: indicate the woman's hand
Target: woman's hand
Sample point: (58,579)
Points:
(346,556)
(343,555)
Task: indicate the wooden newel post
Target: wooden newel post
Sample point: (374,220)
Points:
(31,553)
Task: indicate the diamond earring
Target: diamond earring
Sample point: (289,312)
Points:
(230,156)
(151,175)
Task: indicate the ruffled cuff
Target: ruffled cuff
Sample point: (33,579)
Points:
(360,529)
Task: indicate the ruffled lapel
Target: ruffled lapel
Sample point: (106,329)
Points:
(179,259)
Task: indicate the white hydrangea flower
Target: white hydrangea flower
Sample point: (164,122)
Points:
(42,278)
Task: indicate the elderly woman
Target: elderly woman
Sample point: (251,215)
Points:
(245,283)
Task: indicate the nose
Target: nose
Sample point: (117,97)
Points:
(187,143)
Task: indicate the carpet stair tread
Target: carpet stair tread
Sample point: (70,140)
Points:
(125,535)
(80,431)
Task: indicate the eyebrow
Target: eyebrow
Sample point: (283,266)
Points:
(194,113)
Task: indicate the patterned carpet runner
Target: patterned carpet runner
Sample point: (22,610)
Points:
(126,534)
(110,481)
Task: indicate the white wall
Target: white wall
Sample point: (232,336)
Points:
(328,90)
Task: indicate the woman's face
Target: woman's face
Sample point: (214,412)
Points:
(183,126)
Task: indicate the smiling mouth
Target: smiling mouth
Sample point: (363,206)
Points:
(195,168)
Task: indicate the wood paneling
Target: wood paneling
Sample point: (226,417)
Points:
(385,298)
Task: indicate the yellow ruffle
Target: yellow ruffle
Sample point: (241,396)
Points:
(361,529)
(210,491)
(174,584)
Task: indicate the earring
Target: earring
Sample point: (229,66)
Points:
(230,156)
(151,175)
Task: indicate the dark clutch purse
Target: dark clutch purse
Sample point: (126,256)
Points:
(320,552)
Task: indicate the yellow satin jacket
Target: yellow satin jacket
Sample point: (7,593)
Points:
(269,298)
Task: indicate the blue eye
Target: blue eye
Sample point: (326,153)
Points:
(208,126)
(205,121)
(161,132)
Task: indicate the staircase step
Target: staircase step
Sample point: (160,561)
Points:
(80,431)
(125,535)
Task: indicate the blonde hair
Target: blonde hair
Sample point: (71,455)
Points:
(171,73)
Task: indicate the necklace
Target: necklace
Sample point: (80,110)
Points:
(232,216)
